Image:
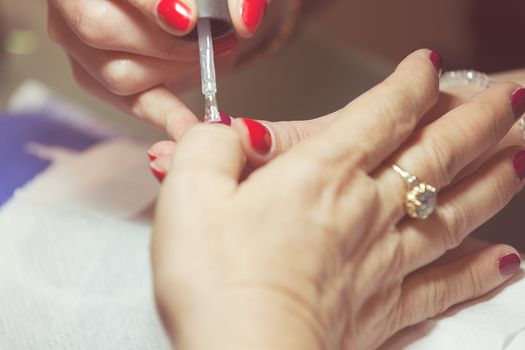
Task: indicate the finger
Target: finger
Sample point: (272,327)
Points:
(264,140)
(175,16)
(442,149)
(128,74)
(462,208)
(119,26)
(121,73)
(513,138)
(447,102)
(161,148)
(157,106)
(432,291)
(247,15)
(210,157)
(160,166)
(371,127)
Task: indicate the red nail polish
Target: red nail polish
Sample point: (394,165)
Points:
(519,164)
(437,61)
(260,136)
(225,119)
(151,156)
(175,13)
(252,12)
(159,175)
(518,102)
(509,264)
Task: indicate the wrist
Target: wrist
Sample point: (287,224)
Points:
(246,320)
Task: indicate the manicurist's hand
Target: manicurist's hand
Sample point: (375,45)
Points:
(314,249)
(130,53)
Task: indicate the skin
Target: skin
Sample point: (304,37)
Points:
(313,250)
(125,54)
(360,270)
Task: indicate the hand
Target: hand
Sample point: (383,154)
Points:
(126,52)
(314,250)
(263,141)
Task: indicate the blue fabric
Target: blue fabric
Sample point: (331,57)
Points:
(17,166)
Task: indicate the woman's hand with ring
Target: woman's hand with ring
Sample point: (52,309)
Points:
(313,250)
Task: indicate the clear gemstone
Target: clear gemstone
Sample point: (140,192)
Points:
(422,200)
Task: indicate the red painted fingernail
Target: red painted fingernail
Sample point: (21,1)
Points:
(260,136)
(252,12)
(225,119)
(519,164)
(509,264)
(152,156)
(518,102)
(175,13)
(437,61)
(159,174)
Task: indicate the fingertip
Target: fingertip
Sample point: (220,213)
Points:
(161,148)
(177,16)
(157,173)
(258,140)
(247,15)
(508,260)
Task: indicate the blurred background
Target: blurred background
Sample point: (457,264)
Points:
(342,48)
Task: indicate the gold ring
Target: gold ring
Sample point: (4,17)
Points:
(421,199)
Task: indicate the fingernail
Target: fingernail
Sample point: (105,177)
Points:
(518,102)
(152,156)
(159,174)
(225,119)
(509,264)
(175,13)
(252,12)
(260,136)
(519,164)
(436,60)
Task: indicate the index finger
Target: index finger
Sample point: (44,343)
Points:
(374,125)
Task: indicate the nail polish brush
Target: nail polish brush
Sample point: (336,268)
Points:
(214,22)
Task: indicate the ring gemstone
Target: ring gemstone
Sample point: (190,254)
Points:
(421,200)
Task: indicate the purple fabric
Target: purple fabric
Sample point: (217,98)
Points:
(17,166)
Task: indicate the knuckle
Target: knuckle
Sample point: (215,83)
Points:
(455,222)
(306,173)
(472,285)
(420,77)
(397,109)
(440,295)
(485,117)
(119,77)
(90,23)
(446,157)
(501,192)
